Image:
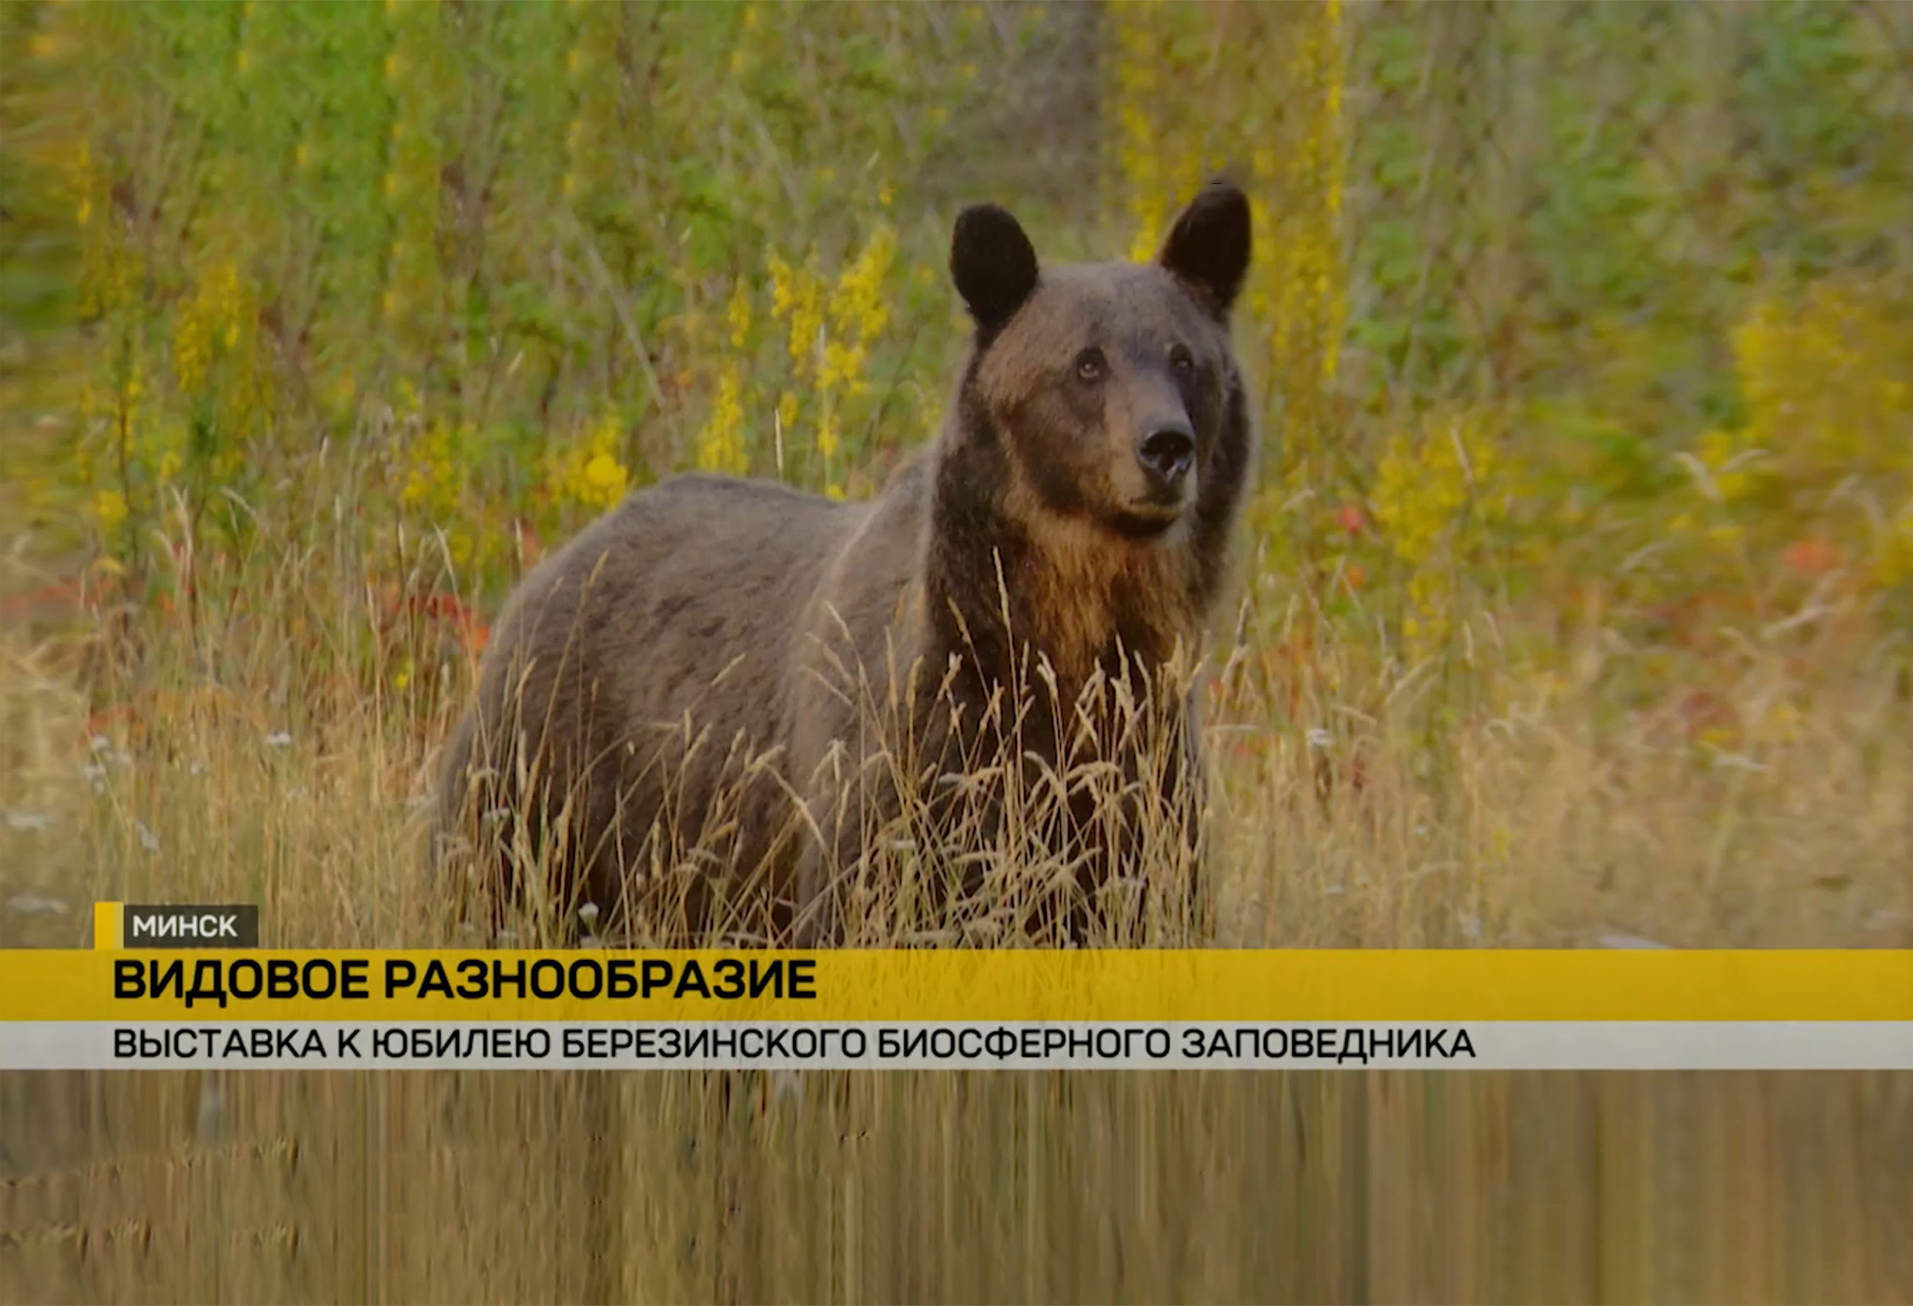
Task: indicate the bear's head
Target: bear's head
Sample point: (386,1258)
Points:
(1106,385)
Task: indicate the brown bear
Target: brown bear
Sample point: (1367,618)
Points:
(728,709)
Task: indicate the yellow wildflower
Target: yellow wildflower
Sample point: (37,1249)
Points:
(606,479)
(720,445)
(591,473)
(109,508)
(739,313)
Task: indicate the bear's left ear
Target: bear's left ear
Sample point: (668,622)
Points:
(1208,248)
(993,264)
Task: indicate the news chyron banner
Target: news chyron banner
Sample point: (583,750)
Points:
(171,987)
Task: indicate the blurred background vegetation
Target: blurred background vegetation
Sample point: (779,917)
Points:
(1578,609)
(1600,303)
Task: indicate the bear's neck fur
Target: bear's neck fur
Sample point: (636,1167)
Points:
(1009,583)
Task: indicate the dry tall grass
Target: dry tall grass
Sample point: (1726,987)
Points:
(1342,817)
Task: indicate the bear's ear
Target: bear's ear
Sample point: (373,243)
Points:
(993,264)
(1208,248)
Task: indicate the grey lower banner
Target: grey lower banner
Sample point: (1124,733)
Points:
(904,1045)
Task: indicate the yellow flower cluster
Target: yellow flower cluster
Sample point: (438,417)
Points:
(1297,292)
(210,320)
(590,473)
(797,299)
(720,445)
(1427,479)
(738,315)
(1825,377)
(1437,493)
(831,329)
(433,477)
(1165,145)
(217,363)
(1824,380)
(859,310)
(125,410)
(109,509)
(1156,175)
(431,474)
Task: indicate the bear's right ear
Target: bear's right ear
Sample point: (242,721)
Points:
(993,264)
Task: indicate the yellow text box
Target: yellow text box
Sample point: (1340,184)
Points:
(948,985)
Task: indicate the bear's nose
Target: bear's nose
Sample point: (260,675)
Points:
(1167,453)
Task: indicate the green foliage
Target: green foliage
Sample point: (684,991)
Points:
(457,241)
(1534,283)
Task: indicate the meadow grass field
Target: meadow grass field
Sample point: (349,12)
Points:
(1575,605)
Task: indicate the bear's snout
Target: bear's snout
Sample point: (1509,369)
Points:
(1167,453)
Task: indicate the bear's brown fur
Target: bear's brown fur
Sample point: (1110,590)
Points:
(780,681)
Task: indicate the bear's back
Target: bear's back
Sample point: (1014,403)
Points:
(684,579)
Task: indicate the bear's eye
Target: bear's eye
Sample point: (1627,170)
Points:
(1090,365)
(1182,360)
